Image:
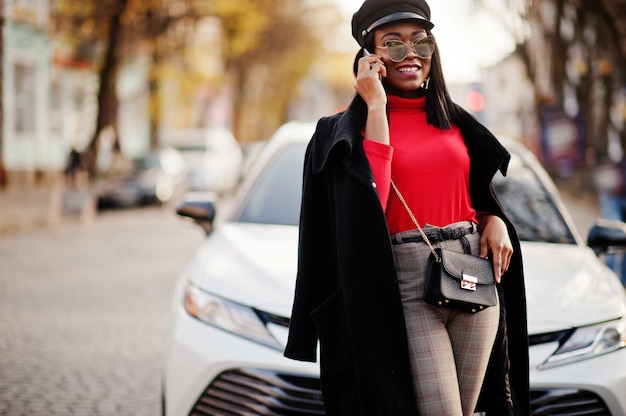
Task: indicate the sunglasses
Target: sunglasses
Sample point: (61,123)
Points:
(398,50)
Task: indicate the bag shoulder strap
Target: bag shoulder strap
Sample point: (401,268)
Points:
(408,210)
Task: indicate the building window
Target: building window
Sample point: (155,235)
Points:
(24,98)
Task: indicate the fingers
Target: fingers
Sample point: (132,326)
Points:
(369,62)
(501,260)
(370,66)
(495,242)
(501,256)
(484,248)
(370,71)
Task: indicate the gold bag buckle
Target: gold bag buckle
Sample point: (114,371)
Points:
(468,282)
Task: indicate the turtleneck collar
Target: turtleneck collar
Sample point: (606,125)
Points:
(399,103)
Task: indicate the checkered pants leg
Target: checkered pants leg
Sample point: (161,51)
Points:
(449,350)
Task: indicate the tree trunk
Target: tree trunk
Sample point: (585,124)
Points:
(155,99)
(3,176)
(158,24)
(107,98)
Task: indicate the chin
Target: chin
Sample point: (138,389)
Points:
(408,91)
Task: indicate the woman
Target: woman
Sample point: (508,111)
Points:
(383,350)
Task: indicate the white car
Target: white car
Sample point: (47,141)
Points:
(214,160)
(232,304)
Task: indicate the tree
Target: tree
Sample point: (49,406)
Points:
(96,23)
(265,49)
(574,52)
(107,93)
(265,84)
(2,171)
(268,46)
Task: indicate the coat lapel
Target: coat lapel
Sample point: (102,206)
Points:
(482,146)
(341,135)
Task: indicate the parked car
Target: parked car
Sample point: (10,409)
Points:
(158,177)
(214,162)
(232,303)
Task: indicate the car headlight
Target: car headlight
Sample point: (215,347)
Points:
(589,341)
(229,316)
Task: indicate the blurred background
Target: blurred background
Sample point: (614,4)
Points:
(93,91)
(109,104)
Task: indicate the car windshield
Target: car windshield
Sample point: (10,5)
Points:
(275,197)
(530,206)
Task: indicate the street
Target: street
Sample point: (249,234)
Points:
(84,313)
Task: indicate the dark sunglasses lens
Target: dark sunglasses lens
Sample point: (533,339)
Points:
(424,48)
(424,51)
(397,51)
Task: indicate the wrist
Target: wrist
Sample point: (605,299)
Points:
(377,107)
(377,125)
(482,218)
(482,215)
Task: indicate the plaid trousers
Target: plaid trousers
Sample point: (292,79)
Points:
(449,350)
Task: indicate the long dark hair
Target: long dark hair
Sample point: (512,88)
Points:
(440,110)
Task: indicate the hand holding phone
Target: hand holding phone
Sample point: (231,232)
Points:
(367,53)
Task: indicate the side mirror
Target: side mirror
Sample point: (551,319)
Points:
(201,212)
(606,234)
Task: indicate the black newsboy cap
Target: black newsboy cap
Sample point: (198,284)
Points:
(375,13)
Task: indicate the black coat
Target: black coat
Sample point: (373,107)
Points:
(346,291)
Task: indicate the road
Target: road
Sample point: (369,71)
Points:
(84,313)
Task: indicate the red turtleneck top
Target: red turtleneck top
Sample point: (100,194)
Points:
(430,167)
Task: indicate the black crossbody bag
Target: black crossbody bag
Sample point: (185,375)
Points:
(455,280)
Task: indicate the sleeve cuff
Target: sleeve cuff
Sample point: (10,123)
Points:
(378,149)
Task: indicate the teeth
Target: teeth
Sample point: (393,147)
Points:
(408,69)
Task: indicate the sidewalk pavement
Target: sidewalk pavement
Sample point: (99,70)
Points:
(24,209)
(49,207)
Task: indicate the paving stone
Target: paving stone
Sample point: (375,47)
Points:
(84,314)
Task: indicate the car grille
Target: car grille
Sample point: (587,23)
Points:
(247,392)
(566,402)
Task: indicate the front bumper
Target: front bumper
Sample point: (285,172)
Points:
(597,384)
(206,365)
(208,371)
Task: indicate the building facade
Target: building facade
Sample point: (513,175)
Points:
(48,99)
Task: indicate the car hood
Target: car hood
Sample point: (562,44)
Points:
(568,286)
(252,264)
(255,264)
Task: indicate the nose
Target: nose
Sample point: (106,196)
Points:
(412,51)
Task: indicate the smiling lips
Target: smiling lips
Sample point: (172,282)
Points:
(409,69)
